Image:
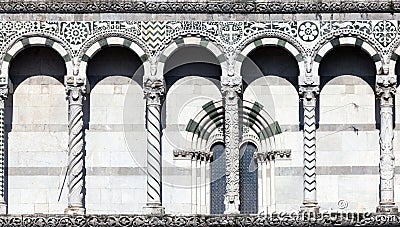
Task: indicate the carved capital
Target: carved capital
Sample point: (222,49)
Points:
(229,82)
(75,94)
(308,95)
(153,91)
(272,155)
(231,85)
(386,89)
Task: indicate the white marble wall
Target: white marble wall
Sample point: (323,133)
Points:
(37,147)
(115,145)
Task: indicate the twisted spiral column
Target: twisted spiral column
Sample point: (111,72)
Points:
(386,90)
(231,102)
(309,153)
(153,122)
(3,97)
(75,151)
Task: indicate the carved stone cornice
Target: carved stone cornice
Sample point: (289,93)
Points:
(132,6)
(308,94)
(192,155)
(273,155)
(386,89)
(332,218)
(153,91)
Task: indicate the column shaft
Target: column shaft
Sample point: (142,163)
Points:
(231,102)
(386,90)
(261,188)
(3,96)
(309,158)
(76,166)
(272,183)
(194,184)
(153,94)
(153,156)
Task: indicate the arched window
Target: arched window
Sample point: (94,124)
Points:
(218,179)
(248,179)
(247,176)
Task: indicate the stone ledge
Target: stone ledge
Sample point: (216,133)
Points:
(278,7)
(282,219)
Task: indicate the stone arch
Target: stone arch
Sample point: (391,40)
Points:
(269,41)
(347,41)
(191,41)
(26,42)
(202,127)
(102,42)
(393,61)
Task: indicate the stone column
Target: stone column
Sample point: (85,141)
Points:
(194,183)
(231,103)
(272,184)
(153,94)
(202,185)
(3,97)
(385,90)
(207,183)
(76,168)
(308,96)
(260,177)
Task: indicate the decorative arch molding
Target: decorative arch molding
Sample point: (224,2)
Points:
(29,41)
(203,128)
(347,41)
(191,41)
(95,45)
(297,53)
(393,60)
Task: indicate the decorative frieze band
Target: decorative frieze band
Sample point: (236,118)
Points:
(131,6)
(332,218)
(229,41)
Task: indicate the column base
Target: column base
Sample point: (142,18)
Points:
(310,208)
(3,208)
(154,210)
(232,203)
(387,209)
(75,211)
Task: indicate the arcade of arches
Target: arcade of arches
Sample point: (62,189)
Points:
(115,126)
